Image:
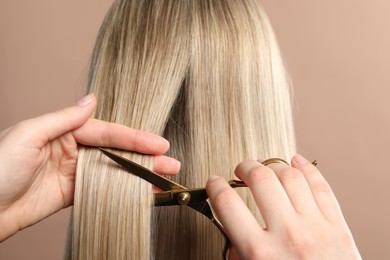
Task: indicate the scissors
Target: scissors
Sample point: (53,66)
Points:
(175,194)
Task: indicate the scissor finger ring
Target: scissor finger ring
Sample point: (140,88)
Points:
(279,160)
(274,160)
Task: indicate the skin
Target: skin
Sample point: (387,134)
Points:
(302,215)
(38,159)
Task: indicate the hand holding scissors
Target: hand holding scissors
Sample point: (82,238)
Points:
(302,215)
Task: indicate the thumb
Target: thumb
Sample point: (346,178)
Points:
(52,125)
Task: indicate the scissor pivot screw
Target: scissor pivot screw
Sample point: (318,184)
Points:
(184,198)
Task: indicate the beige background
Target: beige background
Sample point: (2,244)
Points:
(338,56)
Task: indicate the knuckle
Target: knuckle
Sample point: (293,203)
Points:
(64,115)
(290,173)
(224,198)
(260,174)
(320,185)
(240,168)
(299,242)
(105,134)
(310,169)
(61,111)
(302,241)
(253,251)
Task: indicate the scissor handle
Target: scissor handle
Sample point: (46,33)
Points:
(236,184)
(226,249)
(228,243)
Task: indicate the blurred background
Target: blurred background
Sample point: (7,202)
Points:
(338,56)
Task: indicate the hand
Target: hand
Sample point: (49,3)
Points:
(38,160)
(302,215)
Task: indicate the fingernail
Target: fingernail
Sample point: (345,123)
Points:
(86,100)
(300,159)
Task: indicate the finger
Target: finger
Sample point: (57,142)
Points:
(166,165)
(239,223)
(322,192)
(297,188)
(272,200)
(99,133)
(52,125)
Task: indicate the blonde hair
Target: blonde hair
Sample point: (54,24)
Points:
(208,76)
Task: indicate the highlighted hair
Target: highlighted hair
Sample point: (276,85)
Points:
(208,76)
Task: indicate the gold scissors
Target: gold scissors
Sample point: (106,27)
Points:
(175,194)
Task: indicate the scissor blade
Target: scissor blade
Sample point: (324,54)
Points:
(144,173)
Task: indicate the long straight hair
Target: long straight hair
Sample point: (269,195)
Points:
(208,76)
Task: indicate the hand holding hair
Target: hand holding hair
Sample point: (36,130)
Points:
(302,216)
(38,159)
